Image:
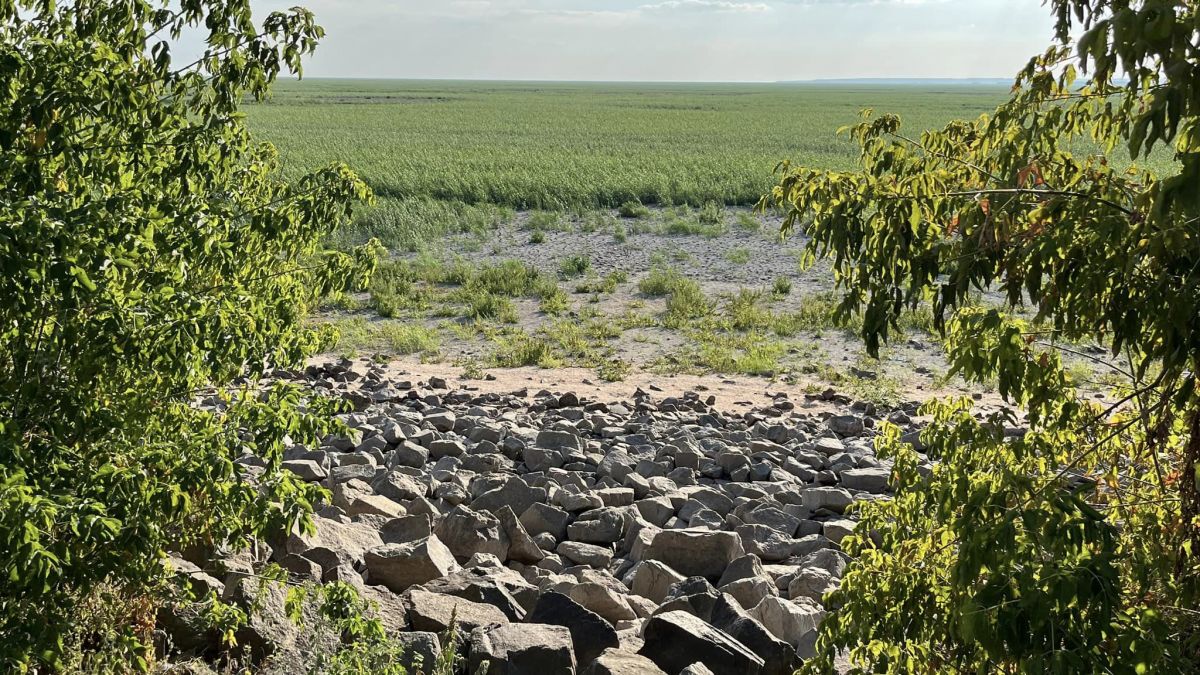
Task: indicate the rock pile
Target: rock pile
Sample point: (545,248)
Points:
(569,535)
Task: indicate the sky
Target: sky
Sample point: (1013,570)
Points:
(675,40)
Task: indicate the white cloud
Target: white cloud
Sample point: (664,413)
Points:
(707,5)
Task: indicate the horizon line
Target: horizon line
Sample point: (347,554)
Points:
(828,80)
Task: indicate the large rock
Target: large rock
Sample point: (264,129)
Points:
(846,425)
(772,545)
(812,583)
(676,640)
(691,553)
(543,518)
(619,662)
(350,540)
(794,622)
(653,580)
(270,632)
(832,499)
(467,532)
(590,634)
(779,657)
(874,479)
(418,647)
(598,526)
(399,566)
(497,586)
(585,554)
(514,649)
(515,493)
(399,486)
(521,547)
(434,612)
(602,600)
(552,439)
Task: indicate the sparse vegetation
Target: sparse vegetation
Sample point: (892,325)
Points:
(574,266)
(633,209)
(738,256)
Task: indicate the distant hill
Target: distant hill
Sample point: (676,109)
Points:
(913,81)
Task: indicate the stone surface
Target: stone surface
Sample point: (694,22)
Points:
(466,532)
(691,553)
(676,640)
(434,611)
(620,662)
(398,566)
(794,622)
(515,649)
(590,634)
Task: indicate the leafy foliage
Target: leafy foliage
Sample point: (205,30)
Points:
(1072,547)
(151,254)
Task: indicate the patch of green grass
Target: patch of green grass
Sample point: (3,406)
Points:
(407,338)
(749,222)
(613,370)
(712,214)
(685,303)
(633,209)
(537,237)
(597,221)
(358,334)
(660,281)
(739,255)
(555,303)
(411,224)
(744,311)
(782,287)
(574,266)
(747,354)
(342,302)
(521,349)
(491,306)
(619,233)
(606,284)
(685,226)
(394,288)
(547,220)
(512,278)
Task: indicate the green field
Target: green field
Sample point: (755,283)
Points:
(445,156)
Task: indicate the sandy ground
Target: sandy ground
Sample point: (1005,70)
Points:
(732,394)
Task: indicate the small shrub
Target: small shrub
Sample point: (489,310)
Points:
(511,278)
(686,302)
(712,214)
(633,209)
(492,306)
(537,237)
(555,303)
(574,266)
(606,284)
(660,281)
(619,234)
(523,350)
(749,222)
(738,256)
(547,220)
(745,312)
(613,370)
(404,338)
(782,287)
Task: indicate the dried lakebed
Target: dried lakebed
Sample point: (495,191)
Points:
(568,534)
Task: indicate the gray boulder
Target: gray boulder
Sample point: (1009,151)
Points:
(398,566)
(512,649)
(676,640)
